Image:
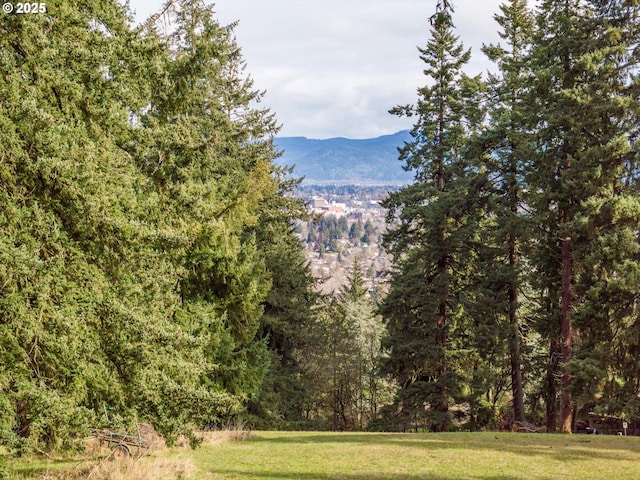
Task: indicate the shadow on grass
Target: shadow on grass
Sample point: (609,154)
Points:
(558,447)
(242,474)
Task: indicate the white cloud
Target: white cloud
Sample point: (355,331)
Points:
(335,67)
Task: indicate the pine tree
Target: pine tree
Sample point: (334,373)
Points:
(210,157)
(505,143)
(609,216)
(288,309)
(556,53)
(422,310)
(580,110)
(131,276)
(87,310)
(358,309)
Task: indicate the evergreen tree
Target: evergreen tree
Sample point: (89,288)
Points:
(358,309)
(347,356)
(130,270)
(609,216)
(356,232)
(429,243)
(288,310)
(556,49)
(505,142)
(209,153)
(580,111)
(72,244)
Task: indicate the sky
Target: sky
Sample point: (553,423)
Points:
(334,68)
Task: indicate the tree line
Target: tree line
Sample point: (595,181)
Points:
(150,271)
(514,292)
(149,266)
(325,231)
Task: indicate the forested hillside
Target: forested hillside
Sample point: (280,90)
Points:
(344,161)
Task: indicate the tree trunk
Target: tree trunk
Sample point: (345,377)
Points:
(514,342)
(566,401)
(512,293)
(567,274)
(551,398)
(442,406)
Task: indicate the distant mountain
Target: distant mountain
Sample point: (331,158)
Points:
(371,161)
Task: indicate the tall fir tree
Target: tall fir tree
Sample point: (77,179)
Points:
(505,143)
(580,113)
(609,220)
(87,318)
(130,272)
(429,242)
(289,309)
(554,62)
(210,156)
(357,308)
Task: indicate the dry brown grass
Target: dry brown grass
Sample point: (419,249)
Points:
(155,463)
(223,436)
(97,462)
(143,468)
(163,468)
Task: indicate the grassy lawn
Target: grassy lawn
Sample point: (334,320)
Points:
(491,456)
(371,456)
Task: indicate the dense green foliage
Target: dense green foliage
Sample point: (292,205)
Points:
(340,360)
(145,226)
(325,231)
(516,247)
(149,265)
(287,318)
(429,338)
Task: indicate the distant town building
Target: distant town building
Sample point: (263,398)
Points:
(319,203)
(322,206)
